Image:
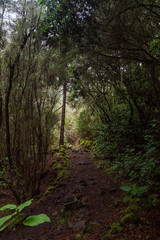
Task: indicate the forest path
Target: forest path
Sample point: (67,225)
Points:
(82,207)
(87,195)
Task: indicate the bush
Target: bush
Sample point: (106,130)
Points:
(85,125)
(136,159)
(119,133)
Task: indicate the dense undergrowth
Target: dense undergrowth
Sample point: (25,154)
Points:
(132,150)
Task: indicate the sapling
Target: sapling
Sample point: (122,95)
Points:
(19,216)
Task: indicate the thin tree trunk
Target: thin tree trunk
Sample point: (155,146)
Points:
(7,99)
(61,141)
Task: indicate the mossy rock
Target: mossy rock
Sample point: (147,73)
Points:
(68,210)
(116,228)
(130,218)
(132,209)
(57,166)
(61,175)
(65,216)
(49,190)
(54,184)
(50,180)
(46,193)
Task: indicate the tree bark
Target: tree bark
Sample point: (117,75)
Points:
(61,141)
(7,99)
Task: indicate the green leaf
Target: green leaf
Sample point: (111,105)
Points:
(9,223)
(36,220)
(125,188)
(153,196)
(8,206)
(4,219)
(142,190)
(134,191)
(127,198)
(23,205)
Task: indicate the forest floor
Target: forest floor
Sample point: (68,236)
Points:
(84,206)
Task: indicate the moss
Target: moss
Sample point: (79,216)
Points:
(46,193)
(133,209)
(109,171)
(78,235)
(54,184)
(116,228)
(60,165)
(50,180)
(65,216)
(51,188)
(117,203)
(135,200)
(156,203)
(88,228)
(61,174)
(37,196)
(129,218)
(57,166)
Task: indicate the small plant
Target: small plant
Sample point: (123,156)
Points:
(133,191)
(19,218)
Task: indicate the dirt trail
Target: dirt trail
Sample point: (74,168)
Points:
(88,194)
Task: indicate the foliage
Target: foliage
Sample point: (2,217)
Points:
(134,148)
(133,191)
(85,124)
(65,17)
(17,215)
(116,135)
(142,165)
(27,100)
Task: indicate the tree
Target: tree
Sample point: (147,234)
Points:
(29,91)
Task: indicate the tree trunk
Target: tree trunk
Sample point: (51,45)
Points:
(61,141)
(7,99)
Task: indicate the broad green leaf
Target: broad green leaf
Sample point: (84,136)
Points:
(4,219)
(36,220)
(125,188)
(8,206)
(23,205)
(9,223)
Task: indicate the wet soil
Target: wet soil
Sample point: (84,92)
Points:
(89,195)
